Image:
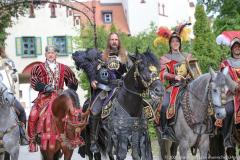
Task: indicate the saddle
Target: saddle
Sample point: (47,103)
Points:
(48,132)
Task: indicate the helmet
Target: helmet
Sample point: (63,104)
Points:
(103,76)
(234,41)
(175,35)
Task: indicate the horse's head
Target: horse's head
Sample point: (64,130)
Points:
(146,73)
(6,97)
(219,87)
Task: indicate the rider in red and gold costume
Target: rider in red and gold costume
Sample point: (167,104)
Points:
(232,107)
(174,71)
(46,78)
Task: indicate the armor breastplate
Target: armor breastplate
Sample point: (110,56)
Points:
(178,57)
(113,63)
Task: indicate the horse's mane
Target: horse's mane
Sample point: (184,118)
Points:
(73,95)
(199,87)
(198,96)
(149,57)
(87,61)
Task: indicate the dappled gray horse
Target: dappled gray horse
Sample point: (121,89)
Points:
(207,92)
(9,130)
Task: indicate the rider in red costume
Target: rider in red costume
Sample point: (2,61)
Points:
(232,107)
(174,71)
(46,78)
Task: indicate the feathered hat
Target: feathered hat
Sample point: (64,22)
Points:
(165,35)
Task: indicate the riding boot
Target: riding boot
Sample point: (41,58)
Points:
(23,137)
(227,126)
(32,121)
(167,130)
(168,133)
(94,131)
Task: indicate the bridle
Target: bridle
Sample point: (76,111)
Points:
(145,83)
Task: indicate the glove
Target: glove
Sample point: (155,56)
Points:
(48,88)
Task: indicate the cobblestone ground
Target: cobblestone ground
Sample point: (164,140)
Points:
(25,155)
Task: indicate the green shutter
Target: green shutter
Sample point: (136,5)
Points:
(50,40)
(38,42)
(18,46)
(69,45)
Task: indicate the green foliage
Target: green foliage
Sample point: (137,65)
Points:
(86,38)
(205,48)
(228,18)
(84,83)
(152,130)
(9,9)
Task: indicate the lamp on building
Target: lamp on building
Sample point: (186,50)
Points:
(143,1)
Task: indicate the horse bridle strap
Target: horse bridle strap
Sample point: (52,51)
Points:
(145,84)
(130,91)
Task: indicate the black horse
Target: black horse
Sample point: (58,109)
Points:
(126,126)
(127,122)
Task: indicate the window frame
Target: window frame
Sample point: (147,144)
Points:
(104,18)
(35,47)
(65,41)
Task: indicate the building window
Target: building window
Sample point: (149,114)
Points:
(161,9)
(107,17)
(61,43)
(29,46)
(53,10)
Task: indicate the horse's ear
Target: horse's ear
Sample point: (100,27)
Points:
(225,70)
(212,72)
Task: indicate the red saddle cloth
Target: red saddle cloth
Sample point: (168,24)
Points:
(50,133)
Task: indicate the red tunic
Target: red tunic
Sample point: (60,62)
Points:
(167,72)
(41,73)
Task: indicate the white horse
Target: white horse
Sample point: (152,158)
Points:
(9,129)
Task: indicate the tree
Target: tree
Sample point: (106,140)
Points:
(228,17)
(204,46)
